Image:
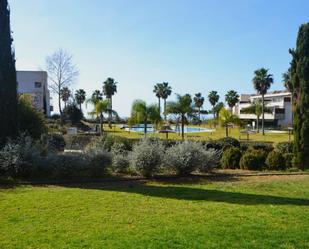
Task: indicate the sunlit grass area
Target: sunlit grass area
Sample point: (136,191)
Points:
(218,132)
(217,212)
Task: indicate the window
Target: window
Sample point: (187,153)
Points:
(37,84)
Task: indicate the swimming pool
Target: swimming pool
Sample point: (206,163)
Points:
(187,129)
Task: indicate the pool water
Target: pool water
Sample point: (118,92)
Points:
(187,129)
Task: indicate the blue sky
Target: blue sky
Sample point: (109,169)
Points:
(195,45)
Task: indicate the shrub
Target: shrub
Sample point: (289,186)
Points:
(211,159)
(231,158)
(19,158)
(78,142)
(53,142)
(253,160)
(284,147)
(186,157)
(121,160)
(31,122)
(227,142)
(266,147)
(147,157)
(107,141)
(98,164)
(68,166)
(275,161)
(288,158)
(73,113)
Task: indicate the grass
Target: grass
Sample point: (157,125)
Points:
(216,212)
(218,133)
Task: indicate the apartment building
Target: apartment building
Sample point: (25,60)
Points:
(34,83)
(278,103)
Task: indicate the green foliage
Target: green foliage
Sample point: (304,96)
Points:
(143,113)
(53,142)
(183,108)
(78,142)
(121,158)
(107,141)
(300,85)
(147,157)
(31,121)
(213,98)
(265,146)
(288,158)
(80,97)
(231,98)
(65,94)
(253,160)
(275,161)
(98,163)
(284,147)
(228,142)
(19,158)
(73,113)
(186,157)
(8,82)
(231,158)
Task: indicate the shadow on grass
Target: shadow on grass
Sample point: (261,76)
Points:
(194,194)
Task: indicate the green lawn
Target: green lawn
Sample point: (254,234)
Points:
(248,212)
(218,133)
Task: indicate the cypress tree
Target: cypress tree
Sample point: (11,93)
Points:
(300,89)
(8,83)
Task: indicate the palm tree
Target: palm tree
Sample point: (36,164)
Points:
(65,94)
(231,98)
(96,96)
(226,118)
(256,108)
(101,106)
(182,107)
(167,91)
(109,90)
(143,113)
(80,97)
(199,101)
(213,98)
(158,90)
(261,82)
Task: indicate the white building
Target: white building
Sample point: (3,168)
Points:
(35,84)
(279,103)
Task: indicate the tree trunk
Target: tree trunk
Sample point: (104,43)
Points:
(182,127)
(263,115)
(59,104)
(145,128)
(159,105)
(199,116)
(226,130)
(80,106)
(164,109)
(110,114)
(101,123)
(213,109)
(258,123)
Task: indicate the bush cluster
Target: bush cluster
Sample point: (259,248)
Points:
(231,158)
(275,161)
(147,157)
(253,160)
(44,158)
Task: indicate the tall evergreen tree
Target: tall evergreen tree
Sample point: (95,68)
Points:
(300,87)
(8,83)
